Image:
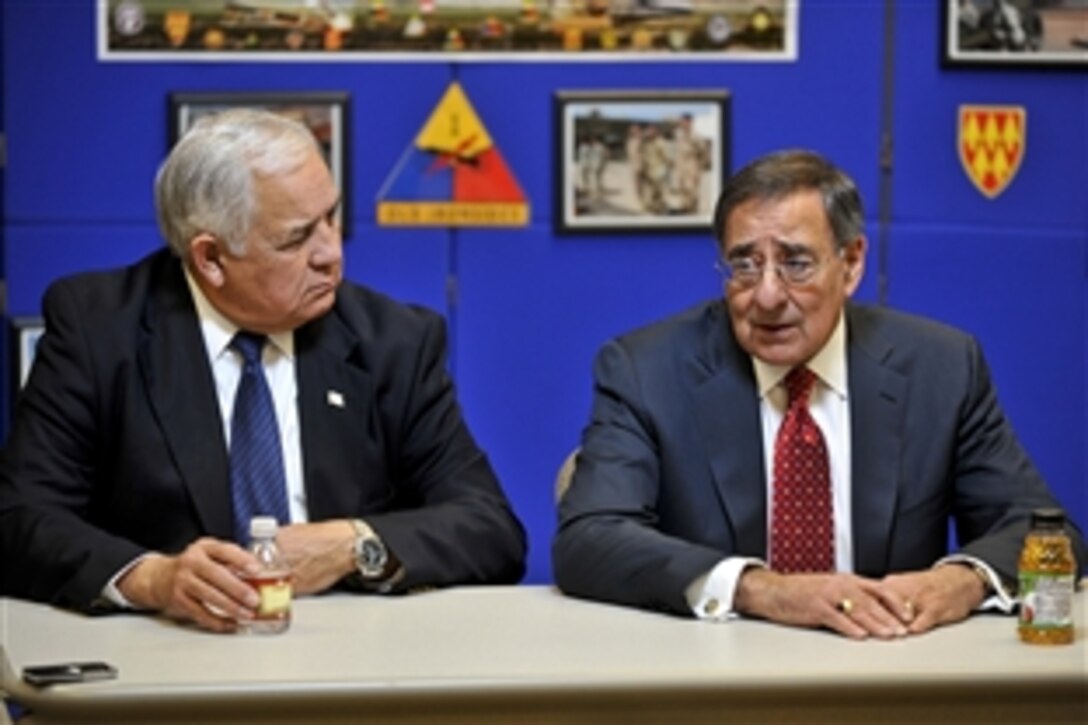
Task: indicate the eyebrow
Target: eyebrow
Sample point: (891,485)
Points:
(304,231)
(745,249)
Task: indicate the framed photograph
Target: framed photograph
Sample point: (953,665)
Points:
(640,161)
(447,31)
(325,114)
(1012,33)
(26,331)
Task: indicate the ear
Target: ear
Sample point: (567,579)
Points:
(854,263)
(206,259)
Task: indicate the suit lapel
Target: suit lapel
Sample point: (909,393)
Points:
(337,413)
(174,368)
(877,409)
(726,405)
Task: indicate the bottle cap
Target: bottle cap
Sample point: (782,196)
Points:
(1048,518)
(263,527)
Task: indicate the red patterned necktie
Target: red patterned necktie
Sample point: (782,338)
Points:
(802,529)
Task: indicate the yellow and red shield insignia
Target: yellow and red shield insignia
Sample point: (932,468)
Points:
(991,145)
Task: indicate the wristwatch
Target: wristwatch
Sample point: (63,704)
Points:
(372,559)
(371,556)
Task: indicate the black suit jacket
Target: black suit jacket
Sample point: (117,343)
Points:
(670,478)
(117,445)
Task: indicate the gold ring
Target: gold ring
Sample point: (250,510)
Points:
(909,606)
(846,606)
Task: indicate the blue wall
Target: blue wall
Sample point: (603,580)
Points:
(531,308)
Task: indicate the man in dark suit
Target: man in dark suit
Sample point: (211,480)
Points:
(115,485)
(682,495)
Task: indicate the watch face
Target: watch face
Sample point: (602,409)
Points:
(371,557)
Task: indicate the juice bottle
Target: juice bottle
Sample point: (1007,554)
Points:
(1047,570)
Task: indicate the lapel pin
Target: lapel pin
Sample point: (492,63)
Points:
(335,398)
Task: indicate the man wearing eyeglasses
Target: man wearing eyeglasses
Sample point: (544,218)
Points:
(787,455)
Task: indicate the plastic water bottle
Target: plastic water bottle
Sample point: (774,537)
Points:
(273,582)
(1047,570)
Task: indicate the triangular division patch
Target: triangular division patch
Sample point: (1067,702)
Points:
(990,140)
(452,175)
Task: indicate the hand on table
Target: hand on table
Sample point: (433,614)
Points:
(320,554)
(202,585)
(850,605)
(942,595)
(858,607)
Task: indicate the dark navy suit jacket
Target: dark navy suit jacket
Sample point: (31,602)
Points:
(670,477)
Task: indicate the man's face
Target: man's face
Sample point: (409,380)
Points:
(293,261)
(780,322)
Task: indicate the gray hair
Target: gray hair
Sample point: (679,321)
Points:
(206,185)
(784,173)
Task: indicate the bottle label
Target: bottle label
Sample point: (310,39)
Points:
(275,593)
(1046,600)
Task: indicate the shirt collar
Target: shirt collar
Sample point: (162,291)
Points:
(218,330)
(829,364)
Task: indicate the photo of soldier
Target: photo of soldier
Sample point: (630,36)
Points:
(643,159)
(690,161)
(657,165)
(633,157)
(592,158)
(666,163)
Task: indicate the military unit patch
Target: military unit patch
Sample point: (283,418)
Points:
(991,140)
(452,175)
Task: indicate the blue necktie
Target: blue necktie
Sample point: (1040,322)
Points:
(258,484)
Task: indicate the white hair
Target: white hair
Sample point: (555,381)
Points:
(206,184)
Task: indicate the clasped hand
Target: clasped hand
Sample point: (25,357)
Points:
(857,607)
(205,584)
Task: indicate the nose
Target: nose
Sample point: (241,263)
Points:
(770,291)
(329,249)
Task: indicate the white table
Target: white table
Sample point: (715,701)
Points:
(528,654)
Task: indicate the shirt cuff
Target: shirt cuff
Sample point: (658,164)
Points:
(112,594)
(999,599)
(711,595)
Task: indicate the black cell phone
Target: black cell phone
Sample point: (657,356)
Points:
(68,672)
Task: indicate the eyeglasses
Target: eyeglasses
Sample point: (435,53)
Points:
(747,272)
